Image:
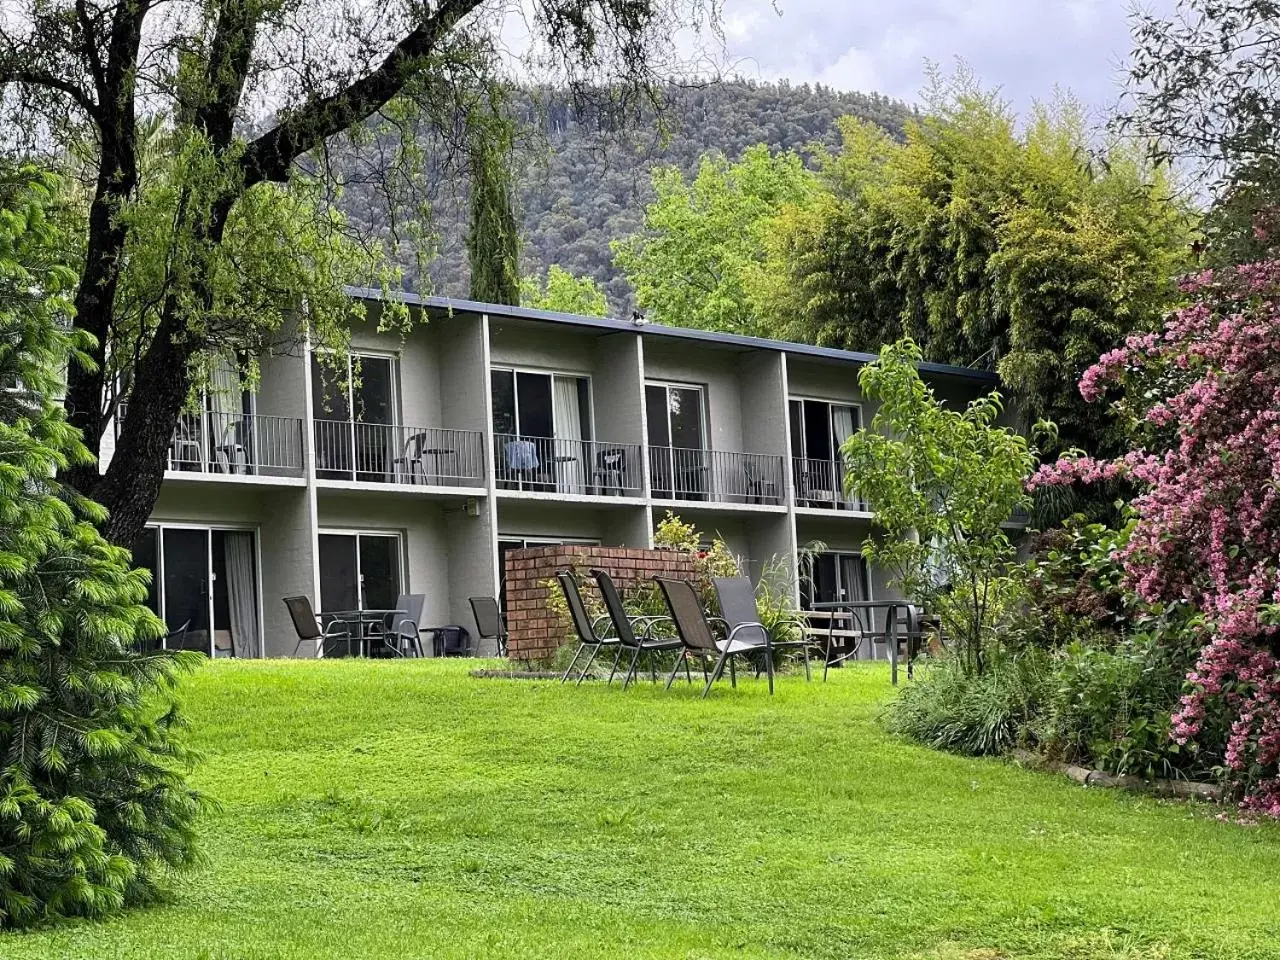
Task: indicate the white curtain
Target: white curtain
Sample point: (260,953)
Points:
(238,548)
(844,424)
(568,431)
(225,443)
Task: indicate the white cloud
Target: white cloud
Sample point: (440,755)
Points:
(1025,47)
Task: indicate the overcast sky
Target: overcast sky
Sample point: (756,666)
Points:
(1023,46)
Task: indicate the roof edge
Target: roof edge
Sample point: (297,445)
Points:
(457,305)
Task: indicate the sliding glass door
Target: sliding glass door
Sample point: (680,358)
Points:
(541,425)
(832,577)
(818,431)
(204,585)
(676,416)
(356,412)
(360,571)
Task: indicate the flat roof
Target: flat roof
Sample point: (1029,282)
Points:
(455,305)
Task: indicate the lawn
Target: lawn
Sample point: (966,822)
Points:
(395,810)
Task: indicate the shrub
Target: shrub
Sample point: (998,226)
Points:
(1200,398)
(949,707)
(94,806)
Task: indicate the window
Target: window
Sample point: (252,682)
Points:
(542,430)
(818,430)
(356,412)
(204,585)
(676,419)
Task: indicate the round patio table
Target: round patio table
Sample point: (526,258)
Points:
(358,622)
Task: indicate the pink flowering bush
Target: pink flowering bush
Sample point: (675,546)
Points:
(1202,399)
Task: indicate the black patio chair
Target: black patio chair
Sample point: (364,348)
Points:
(691,626)
(625,628)
(401,633)
(588,635)
(308,628)
(737,599)
(174,639)
(489,621)
(760,489)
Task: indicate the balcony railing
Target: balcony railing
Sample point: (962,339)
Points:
(237,444)
(820,483)
(556,465)
(679,473)
(388,453)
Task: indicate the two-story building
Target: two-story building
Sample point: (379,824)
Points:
(489,428)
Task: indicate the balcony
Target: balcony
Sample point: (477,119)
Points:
(678,473)
(389,453)
(820,484)
(236,444)
(580,467)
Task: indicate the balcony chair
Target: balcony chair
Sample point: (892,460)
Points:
(489,621)
(625,628)
(307,625)
(411,466)
(230,455)
(611,470)
(746,634)
(588,635)
(759,489)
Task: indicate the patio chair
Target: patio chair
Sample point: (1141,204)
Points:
(308,627)
(611,470)
(759,488)
(401,633)
(588,635)
(625,628)
(737,599)
(410,468)
(489,621)
(174,639)
(691,626)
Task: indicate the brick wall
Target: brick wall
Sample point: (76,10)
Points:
(533,630)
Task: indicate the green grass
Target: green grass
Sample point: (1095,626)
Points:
(396,810)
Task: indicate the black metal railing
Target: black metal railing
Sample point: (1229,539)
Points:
(237,444)
(390,453)
(680,473)
(557,465)
(820,483)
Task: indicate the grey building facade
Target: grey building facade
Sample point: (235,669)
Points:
(488,428)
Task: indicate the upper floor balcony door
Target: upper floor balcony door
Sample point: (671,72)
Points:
(819,429)
(677,417)
(356,409)
(542,431)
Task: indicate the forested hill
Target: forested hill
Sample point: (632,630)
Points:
(585,190)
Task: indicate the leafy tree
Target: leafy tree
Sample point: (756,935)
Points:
(248,95)
(942,483)
(1202,88)
(992,246)
(1200,397)
(564,293)
(699,261)
(94,808)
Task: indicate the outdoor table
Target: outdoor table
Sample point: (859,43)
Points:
(851,609)
(358,620)
(435,453)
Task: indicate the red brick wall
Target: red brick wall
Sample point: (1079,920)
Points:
(533,629)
